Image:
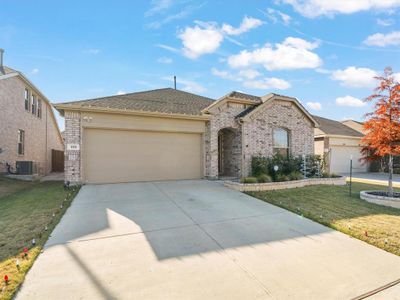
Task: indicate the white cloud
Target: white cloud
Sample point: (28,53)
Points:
(164,60)
(240,76)
(35,71)
(323,71)
(198,41)
(158,6)
(292,53)
(349,101)
(168,48)
(397,77)
(247,24)
(206,37)
(184,12)
(249,73)
(355,77)
(121,92)
(92,51)
(383,40)
(268,83)
(385,22)
(224,74)
(315,8)
(276,16)
(314,105)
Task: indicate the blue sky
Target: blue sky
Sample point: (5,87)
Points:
(325,53)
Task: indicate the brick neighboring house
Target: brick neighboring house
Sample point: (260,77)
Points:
(169,134)
(28,129)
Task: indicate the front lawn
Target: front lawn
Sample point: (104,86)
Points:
(26,213)
(332,206)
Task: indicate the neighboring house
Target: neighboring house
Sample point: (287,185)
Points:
(28,129)
(359,126)
(337,142)
(168,134)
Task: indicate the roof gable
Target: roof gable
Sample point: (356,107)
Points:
(246,115)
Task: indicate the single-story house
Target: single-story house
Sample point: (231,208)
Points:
(337,142)
(167,134)
(356,125)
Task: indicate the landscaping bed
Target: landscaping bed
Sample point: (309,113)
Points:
(333,206)
(269,186)
(381,198)
(28,210)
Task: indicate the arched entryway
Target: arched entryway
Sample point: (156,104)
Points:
(229,152)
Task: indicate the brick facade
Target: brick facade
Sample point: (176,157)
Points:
(257,133)
(73,136)
(41,134)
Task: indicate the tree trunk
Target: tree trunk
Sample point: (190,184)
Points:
(390,189)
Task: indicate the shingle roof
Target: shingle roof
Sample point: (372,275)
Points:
(8,70)
(166,100)
(240,95)
(336,128)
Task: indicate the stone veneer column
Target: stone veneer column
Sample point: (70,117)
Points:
(73,134)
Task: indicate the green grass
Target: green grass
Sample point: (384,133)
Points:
(332,206)
(26,208)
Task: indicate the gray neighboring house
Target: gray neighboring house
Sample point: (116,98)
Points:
(28,128)
(337,142)
(168,134)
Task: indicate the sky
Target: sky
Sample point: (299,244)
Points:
(324,53)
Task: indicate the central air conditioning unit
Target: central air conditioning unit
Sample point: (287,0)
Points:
(26,167)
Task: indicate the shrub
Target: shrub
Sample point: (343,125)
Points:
(264,178)
(282,177)
(249,180)
(296,175)
(330,175)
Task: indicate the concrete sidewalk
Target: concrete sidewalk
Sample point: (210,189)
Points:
(198,240)
(374,178)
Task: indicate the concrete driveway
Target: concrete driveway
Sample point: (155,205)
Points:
(198,240)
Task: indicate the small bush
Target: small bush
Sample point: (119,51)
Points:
(264,178)
(281,177)
(296,175)
(249,180)
(329,175)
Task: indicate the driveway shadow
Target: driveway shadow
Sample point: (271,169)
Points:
(178,218)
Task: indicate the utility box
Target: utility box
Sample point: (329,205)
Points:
(26,167)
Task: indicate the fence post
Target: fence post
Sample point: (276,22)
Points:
(351,173)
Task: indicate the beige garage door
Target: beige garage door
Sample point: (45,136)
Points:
(340,159)
(112,156)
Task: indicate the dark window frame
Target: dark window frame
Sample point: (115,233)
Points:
(33,104)
(21,142)
(27,96)
(39,108)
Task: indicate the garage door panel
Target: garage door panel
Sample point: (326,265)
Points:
(340,159)
(125,156)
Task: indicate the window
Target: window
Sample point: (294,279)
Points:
(39,108)
(33,98)
(27,99)
(281,142)
(21,142)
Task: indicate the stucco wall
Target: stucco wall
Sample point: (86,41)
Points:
(41,135)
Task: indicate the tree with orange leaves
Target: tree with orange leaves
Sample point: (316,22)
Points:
(382,127)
